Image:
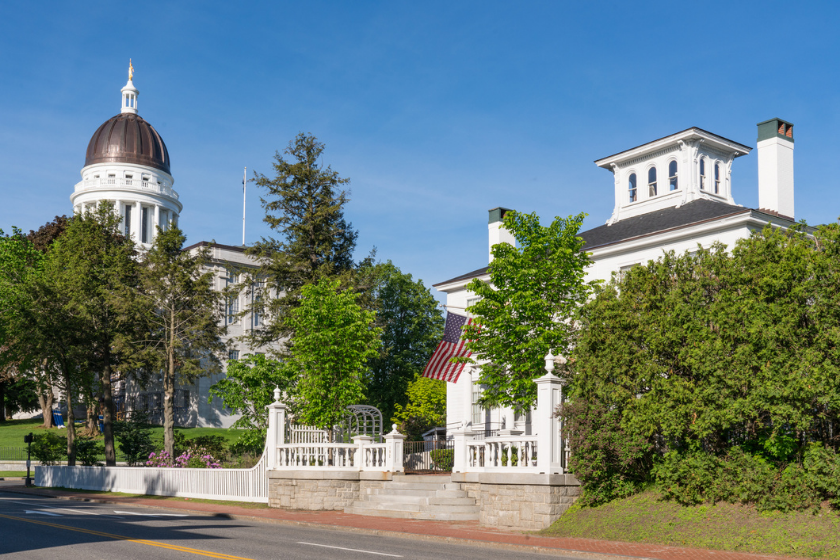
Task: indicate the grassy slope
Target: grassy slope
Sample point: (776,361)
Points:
(646,518)
(12,432)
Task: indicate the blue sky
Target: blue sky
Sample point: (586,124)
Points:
(436,111)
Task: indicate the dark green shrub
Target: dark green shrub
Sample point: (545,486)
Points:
(88,451)
(443,458)
(49,448)
(251,442)
(134,439)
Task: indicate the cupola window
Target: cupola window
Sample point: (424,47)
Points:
(717,178)
(672,176)
(652,181)
(702,174)
(631,186)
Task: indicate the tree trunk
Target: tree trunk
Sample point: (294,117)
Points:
(70,421)
(3,401)
(47,400)
(169,391)
(108,413)
(92,418)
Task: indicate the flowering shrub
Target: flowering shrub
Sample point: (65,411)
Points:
(192,458)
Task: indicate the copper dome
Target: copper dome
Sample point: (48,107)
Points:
(127,138)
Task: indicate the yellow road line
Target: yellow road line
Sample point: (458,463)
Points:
(129,539)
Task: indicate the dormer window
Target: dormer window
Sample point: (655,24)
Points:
(717,178)
(631,186)
(702,174)
(672,176)
(652,181)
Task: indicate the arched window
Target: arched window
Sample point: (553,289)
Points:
(672,175)
(652,181)
(702,174)
(631,186)
(717,178)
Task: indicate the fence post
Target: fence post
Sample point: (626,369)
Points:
(362,442)
(276,433)
(394,454)
(549,436)
(459,446)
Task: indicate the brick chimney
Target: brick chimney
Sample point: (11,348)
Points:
(498,234)
(775,167)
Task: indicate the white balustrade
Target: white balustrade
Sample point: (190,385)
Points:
(105,183)
(502,454)
(333,456)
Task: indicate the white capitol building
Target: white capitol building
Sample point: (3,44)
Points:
(127,164)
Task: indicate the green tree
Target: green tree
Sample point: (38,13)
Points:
(247,389)
(93,269)
(304,204)
(426,408)
(527,308)
(184,313)
(332,342)
(412,326)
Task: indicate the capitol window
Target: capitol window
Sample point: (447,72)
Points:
(631,187)
(652,181)
(717,178)
(672,175)
(703,174)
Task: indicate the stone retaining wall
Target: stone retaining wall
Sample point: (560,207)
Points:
(319,490)
(520,501)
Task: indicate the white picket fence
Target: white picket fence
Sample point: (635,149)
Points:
(243,485)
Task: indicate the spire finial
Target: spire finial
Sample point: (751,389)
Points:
(130,71)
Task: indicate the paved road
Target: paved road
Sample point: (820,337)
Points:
(35,528)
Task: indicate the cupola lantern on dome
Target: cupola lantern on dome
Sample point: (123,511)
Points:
(129,93)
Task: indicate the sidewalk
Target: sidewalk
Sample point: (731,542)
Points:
(454,532)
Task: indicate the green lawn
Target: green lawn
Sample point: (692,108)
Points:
(647,518)
(12,432)
(13,474)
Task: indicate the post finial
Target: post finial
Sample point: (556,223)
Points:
(276,394)
(130,70)
(549,361)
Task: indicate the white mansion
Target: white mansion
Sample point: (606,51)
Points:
(127,164)
(674,193)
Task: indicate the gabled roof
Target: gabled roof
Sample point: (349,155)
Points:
(692,213)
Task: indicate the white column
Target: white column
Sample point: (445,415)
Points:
(157,223)
(136,226)
(549,436)
(394,450)
(276,433)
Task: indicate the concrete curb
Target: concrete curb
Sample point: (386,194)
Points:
(374,532)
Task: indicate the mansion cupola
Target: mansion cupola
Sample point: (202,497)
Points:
(667,173)
(127,164)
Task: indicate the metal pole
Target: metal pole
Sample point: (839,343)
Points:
(28,440)
(244,182)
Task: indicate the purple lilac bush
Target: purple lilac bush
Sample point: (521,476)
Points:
(193,458)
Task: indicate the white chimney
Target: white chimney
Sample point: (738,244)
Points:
(775,167)
(498,234)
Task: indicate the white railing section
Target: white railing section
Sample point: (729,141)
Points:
(333,456)
(503,453)
(374,457)
(134,184)
(242,485)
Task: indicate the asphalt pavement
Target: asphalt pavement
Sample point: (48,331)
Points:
(33,528)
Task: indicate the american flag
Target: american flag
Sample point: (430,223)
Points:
(452,346)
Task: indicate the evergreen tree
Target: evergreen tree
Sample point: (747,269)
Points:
(93,270)
(184,314)
(304,204)
(412,326)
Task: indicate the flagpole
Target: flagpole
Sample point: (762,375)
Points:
(244,175)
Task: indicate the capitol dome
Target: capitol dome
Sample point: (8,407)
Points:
(128,138)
